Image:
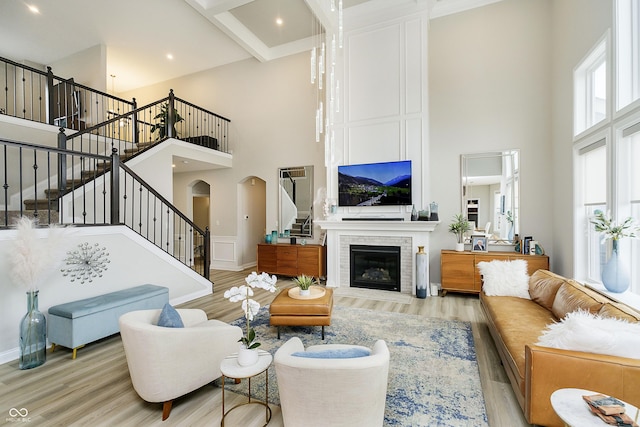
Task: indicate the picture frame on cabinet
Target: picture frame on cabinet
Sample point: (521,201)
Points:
(479,243)
(323,238)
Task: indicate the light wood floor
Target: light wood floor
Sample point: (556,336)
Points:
(95,389)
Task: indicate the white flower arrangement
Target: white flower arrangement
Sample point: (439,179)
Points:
(251,307)
(33,257)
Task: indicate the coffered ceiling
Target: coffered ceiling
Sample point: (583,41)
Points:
(138,36)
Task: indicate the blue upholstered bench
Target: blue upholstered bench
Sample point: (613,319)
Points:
(77,323)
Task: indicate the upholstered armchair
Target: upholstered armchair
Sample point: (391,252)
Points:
(332,391)
(166,363)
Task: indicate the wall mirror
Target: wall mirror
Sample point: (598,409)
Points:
(295,217)
(490,194)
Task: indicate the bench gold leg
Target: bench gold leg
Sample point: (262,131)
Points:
(53,347)
(75,351)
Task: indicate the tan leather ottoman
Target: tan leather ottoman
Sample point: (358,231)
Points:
(287,311)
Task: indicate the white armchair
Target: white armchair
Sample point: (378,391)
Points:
(332,392)
(166,363)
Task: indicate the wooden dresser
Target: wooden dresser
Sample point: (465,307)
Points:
(284,259)
(459,271)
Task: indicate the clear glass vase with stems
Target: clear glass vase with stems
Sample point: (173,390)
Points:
(33,335)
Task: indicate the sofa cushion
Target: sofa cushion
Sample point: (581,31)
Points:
(505,278)
(584,331)
(518,322)
(619,311)
(573,296)
(543,286)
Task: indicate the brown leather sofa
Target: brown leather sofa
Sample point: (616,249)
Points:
(536,372)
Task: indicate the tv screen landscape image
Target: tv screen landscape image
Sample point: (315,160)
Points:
(375,184)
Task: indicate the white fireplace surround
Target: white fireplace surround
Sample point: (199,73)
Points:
(408,235)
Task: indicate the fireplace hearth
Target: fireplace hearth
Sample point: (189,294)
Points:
(375,267)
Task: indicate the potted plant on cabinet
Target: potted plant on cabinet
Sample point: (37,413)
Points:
(459,226)
(304,282)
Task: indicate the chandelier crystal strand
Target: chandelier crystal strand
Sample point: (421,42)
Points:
(340,26)
(313,65)
(86,263)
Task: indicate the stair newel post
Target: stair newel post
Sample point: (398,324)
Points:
(49,97)
(207,253)
(62,162)
(171,115)
(115,187)
(134,123)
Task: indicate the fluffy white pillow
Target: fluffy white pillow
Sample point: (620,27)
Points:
(505,278)
(583,331)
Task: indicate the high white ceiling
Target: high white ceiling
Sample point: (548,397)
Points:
(200,34)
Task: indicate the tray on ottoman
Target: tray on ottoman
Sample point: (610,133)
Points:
(288,311)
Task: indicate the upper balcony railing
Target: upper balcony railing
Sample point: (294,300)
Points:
(39,96)
(140,128)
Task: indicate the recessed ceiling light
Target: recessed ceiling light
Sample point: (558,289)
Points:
(279,21)
(33,8)
(169,56)
(173,165)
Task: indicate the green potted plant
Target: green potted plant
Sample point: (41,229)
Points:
(304,282)
(162,124)
(459,226)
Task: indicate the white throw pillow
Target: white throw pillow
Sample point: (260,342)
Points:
(505,278)
(583,331)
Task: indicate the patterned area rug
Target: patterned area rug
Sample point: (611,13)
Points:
(433,372)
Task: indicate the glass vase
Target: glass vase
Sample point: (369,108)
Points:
(422,259)
(33,335)
(615,275)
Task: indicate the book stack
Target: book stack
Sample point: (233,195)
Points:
(610,410)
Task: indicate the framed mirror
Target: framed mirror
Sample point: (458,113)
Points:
(490,194)
(295,216)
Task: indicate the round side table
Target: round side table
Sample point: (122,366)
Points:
(231,369)
(574,411)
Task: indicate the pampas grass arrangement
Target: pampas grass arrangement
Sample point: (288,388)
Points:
(32,257)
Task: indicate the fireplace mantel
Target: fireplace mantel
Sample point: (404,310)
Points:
(373,225)
(417,231)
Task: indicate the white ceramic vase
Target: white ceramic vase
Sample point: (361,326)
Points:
(460,247)
(247,357)
(305,292)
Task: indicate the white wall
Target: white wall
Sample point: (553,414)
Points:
(87,67)
(577,26)
(490,89)
(134,261)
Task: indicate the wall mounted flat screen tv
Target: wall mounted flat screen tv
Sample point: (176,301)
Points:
(375,184)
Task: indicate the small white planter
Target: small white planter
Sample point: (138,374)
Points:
(305,292)
(460,247)
(247,357)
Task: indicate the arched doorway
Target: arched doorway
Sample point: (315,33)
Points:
(201,204)
(252,211)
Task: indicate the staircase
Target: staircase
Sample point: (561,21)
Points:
(301,226)
(52,195)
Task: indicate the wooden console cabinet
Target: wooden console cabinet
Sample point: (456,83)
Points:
(459,270)
(283,259)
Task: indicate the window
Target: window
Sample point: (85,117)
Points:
(627,52)
(590,88)
(591,171)
(606,156)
